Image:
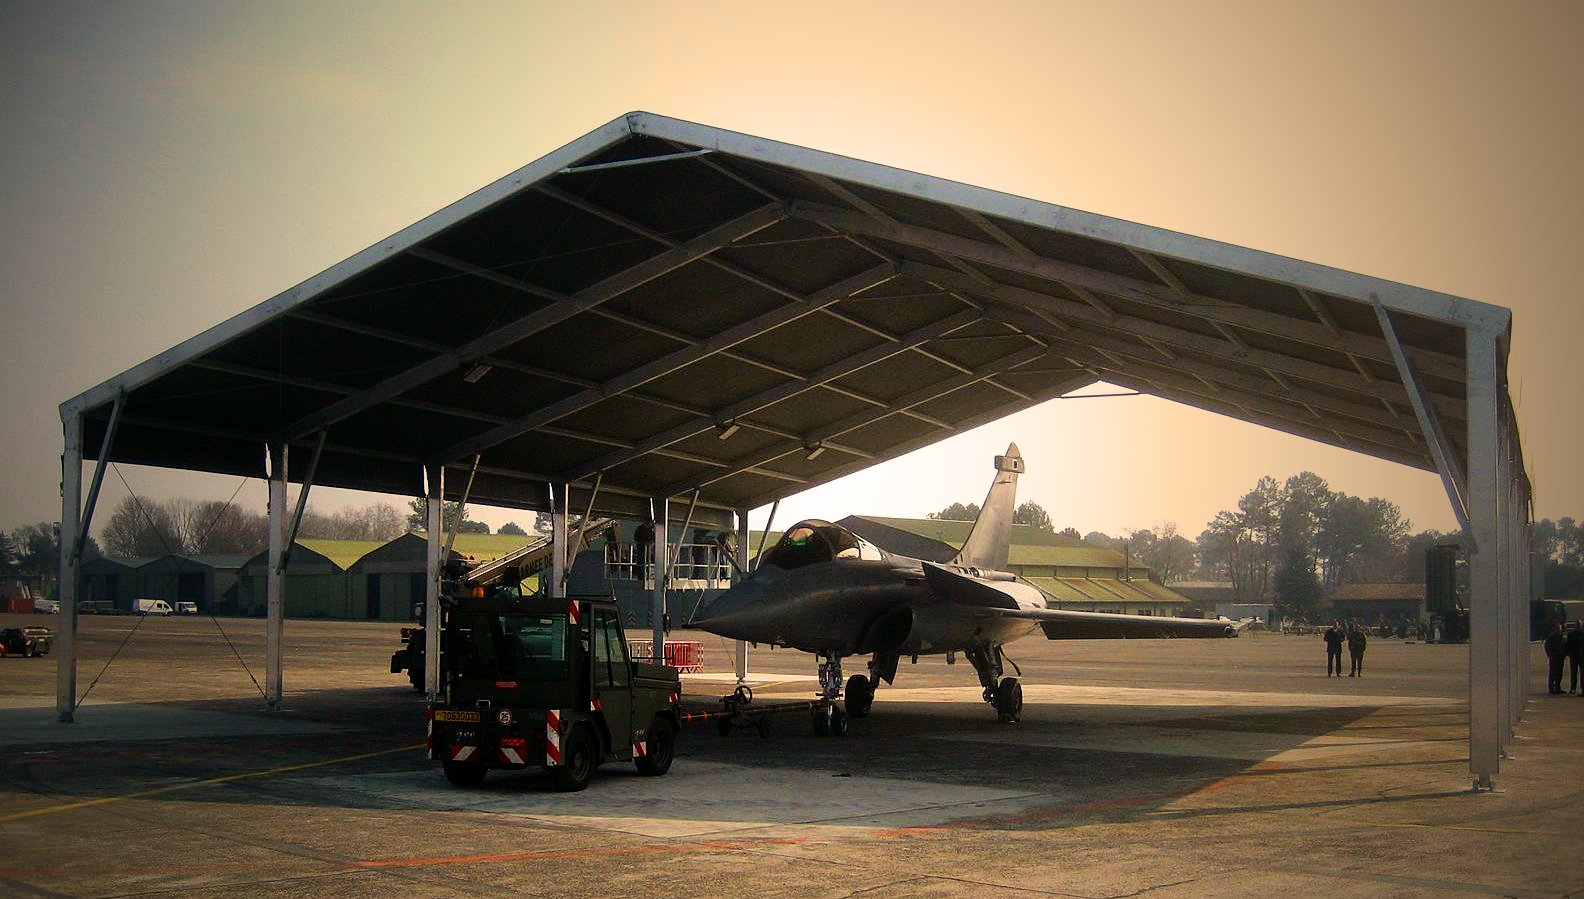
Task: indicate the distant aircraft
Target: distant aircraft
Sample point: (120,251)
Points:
(825,590)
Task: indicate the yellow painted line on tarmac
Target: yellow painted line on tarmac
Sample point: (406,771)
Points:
(144,794)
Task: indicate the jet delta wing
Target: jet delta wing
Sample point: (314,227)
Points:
(825,590)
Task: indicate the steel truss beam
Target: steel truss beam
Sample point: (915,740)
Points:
(1080,314)
(668,260)
(1209,309)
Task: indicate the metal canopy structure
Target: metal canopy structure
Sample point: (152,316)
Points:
(662,309)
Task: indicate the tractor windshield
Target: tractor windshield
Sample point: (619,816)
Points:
(506,646)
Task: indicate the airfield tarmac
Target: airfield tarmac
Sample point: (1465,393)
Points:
(1172,768)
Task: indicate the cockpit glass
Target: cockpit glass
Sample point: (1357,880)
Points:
(816,541)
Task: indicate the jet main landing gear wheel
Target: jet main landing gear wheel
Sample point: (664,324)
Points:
(860,695)
(1009,700)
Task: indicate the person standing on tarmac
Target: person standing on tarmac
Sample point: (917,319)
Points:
(1574,647)
(1356,642)
(1556,651)
(1334,636)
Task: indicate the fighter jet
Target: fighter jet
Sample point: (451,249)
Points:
(825,590)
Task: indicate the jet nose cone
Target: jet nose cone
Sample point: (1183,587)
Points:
(719,613)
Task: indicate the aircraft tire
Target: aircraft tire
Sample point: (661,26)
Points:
(838,722)
(859,696)
(464,774)
(1009,700)
(822,721)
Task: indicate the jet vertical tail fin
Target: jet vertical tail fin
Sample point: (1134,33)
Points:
(990,538)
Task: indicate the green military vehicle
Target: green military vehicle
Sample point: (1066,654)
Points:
(547,682)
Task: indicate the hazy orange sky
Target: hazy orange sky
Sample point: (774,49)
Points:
(168,165)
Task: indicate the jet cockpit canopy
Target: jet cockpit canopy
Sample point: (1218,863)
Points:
(814,540)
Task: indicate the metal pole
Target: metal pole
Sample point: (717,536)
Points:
(433,564)
(274,578)
(302,500)
(1485,586)
(662,551)
(80,532)
(71,497)
(741,649)
(558,543)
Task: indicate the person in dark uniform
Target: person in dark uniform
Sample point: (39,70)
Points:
(1333,641)
(643,544)
(1574,645)
(1356,640)
(1556,652)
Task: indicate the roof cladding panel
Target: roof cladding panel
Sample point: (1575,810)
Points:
(424,300)
(685,301)
(897,376)
(590,347)
(799,256)
(902,311)
(207,398)
(623,419)
(1101,256)
(542,241)
(713,383)
(501,392)
(611,310)
(294,348)
(812,410)
(964,402)
(674,198)
(810,343)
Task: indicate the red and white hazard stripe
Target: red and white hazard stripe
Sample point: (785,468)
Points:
(573,612)
(514,752)
(552,738)
(639,749)
(462,753)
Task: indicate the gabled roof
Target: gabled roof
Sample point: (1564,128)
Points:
(662,307)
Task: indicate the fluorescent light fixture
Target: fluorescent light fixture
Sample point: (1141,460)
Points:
(814,451)
(727,429)
(477,373)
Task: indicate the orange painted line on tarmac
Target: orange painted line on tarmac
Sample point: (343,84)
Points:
(247,775)
(577,854)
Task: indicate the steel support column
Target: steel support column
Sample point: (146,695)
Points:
(434,476)
(274,578)
(738,573)
(559,560)
(662,556)
(71,499)
(1487,725)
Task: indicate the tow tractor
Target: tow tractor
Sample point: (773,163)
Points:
(539,681)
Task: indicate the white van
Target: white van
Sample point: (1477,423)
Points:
(152,607)
(186,608)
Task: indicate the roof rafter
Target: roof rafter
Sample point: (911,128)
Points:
(535,322)
(1071,274)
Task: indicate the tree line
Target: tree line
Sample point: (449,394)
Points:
(1291,542)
